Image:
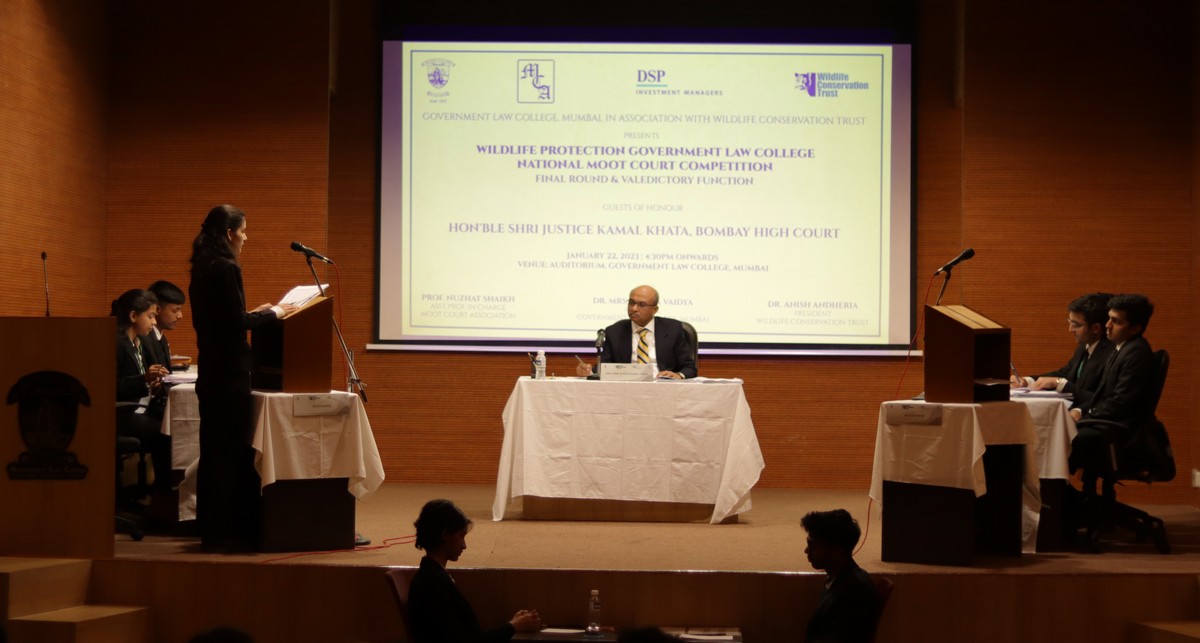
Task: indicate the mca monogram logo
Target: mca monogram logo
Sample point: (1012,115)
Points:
(437,71)
(807,83)
(535,81)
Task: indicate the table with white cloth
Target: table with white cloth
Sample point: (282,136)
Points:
(1055,430)
(666,441)
(939,465)
(297,437)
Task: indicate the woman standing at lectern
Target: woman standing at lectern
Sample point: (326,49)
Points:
(227,499)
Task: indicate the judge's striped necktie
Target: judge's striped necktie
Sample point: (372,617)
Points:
(643,350)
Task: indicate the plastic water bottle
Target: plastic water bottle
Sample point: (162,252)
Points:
(539,366)
(593,626)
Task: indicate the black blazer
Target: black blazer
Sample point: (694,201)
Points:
(220,318)
(671,346)
(847,610)
(131,383)
(439,613)
(1083,384)
(1127,385)
(159,350)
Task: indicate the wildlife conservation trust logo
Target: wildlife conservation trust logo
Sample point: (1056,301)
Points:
(828,85)
(535,81)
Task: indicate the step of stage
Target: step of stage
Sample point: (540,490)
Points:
(33,585)
(1166,632)
(83,624)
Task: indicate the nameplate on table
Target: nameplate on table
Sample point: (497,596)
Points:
(627,372)
(320,404)
(899,413)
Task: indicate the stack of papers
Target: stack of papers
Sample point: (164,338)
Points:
(301,296)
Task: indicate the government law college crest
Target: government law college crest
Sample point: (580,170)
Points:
(437,72)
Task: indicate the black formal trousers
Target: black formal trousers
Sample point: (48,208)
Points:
(228,487)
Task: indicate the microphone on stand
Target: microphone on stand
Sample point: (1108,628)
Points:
(963,256)
(309,252)
(600,340)
(46,281)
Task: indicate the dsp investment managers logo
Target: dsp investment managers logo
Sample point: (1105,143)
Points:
(827,85)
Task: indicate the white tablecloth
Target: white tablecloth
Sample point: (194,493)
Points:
(297,447)
(1055,429)
(664,441)
(289,447)
(950,453)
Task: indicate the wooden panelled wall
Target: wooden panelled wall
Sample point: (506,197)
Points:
(53,137)
(1063,159)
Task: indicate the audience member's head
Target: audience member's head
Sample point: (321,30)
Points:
(645,635)
(170,304)
(831,538)
(223,634)
(438,519)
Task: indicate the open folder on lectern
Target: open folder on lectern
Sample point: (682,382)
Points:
(303,297)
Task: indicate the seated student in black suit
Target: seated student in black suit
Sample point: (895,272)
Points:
(848,609)
(1125,391)
(138,379)
(1086,318)
(437,611)
(665,342)
(170,311)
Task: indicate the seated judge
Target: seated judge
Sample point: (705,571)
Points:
(437,611)
(1080,376)
(647,339)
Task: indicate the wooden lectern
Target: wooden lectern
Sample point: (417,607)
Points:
(58,436)
(966,362)
(294,354)
(966,356)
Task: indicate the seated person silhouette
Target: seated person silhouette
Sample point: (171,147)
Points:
(437,611)
(138,379)
(848,609)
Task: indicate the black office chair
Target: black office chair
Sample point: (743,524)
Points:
(400,579)
(1143,454)
(133,447)
(694,341)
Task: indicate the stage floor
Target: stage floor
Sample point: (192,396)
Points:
(768,538)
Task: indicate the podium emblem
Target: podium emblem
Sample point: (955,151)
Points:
(47,416)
